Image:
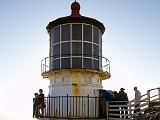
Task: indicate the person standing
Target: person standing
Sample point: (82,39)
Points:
(35,105)
(137,100)
(124,101)
(41,101)
(115,102)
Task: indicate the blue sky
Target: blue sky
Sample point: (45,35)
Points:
(131,42)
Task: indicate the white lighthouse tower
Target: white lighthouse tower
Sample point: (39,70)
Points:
(75,66)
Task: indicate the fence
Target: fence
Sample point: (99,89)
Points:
(46,63)
(74,107)
(87,107)
(118,110)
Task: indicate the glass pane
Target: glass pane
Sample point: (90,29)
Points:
(76,32)
(76,62)
(96,35)
(51,44)
(87,49)
(51,38)
(96,51)
(51,51)
(56,35)
(56,51)
(87,33)
(100,39)
(51,63)
(56,64)
(65,49)
(87,63)
(76,48)
(65,32)
(100,54)
(65,63)
(96,65)
(100,63)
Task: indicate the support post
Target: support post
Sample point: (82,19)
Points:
(130,111)
(45,65)
(67,105)
(148,97)
(49,97)
(159,93)
(88,105)
(107,111)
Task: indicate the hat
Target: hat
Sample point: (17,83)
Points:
(40,90)
(122,89)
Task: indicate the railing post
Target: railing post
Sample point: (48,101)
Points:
(107,111)
(148,95)
(109,68)
(62,106)
(67,105)
(159,93)
(76,106)
(59,103)
(45,64)
(41,67)
(88,105)
(130,111)
(49,107)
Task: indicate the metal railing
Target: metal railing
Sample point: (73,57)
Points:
(46,62)
(87,107)
(76,107)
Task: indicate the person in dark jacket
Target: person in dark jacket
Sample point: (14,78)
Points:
(35,105)
(116,103)
(41,101)
(105,96)
(124,98)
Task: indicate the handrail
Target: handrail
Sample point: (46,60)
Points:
(154,89)
(145,103)
(90,107)
(45,63)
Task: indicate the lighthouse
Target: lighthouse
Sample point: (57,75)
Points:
(75,66)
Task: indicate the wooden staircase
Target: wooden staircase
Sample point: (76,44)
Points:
(149,108)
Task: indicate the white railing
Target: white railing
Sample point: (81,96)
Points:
(119,110)
(46,64)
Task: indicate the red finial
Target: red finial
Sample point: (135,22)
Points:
(75,7)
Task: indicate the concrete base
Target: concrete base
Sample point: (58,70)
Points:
(86,119)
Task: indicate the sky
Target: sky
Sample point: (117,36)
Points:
(131,42)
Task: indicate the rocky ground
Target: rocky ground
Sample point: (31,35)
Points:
(150,114)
